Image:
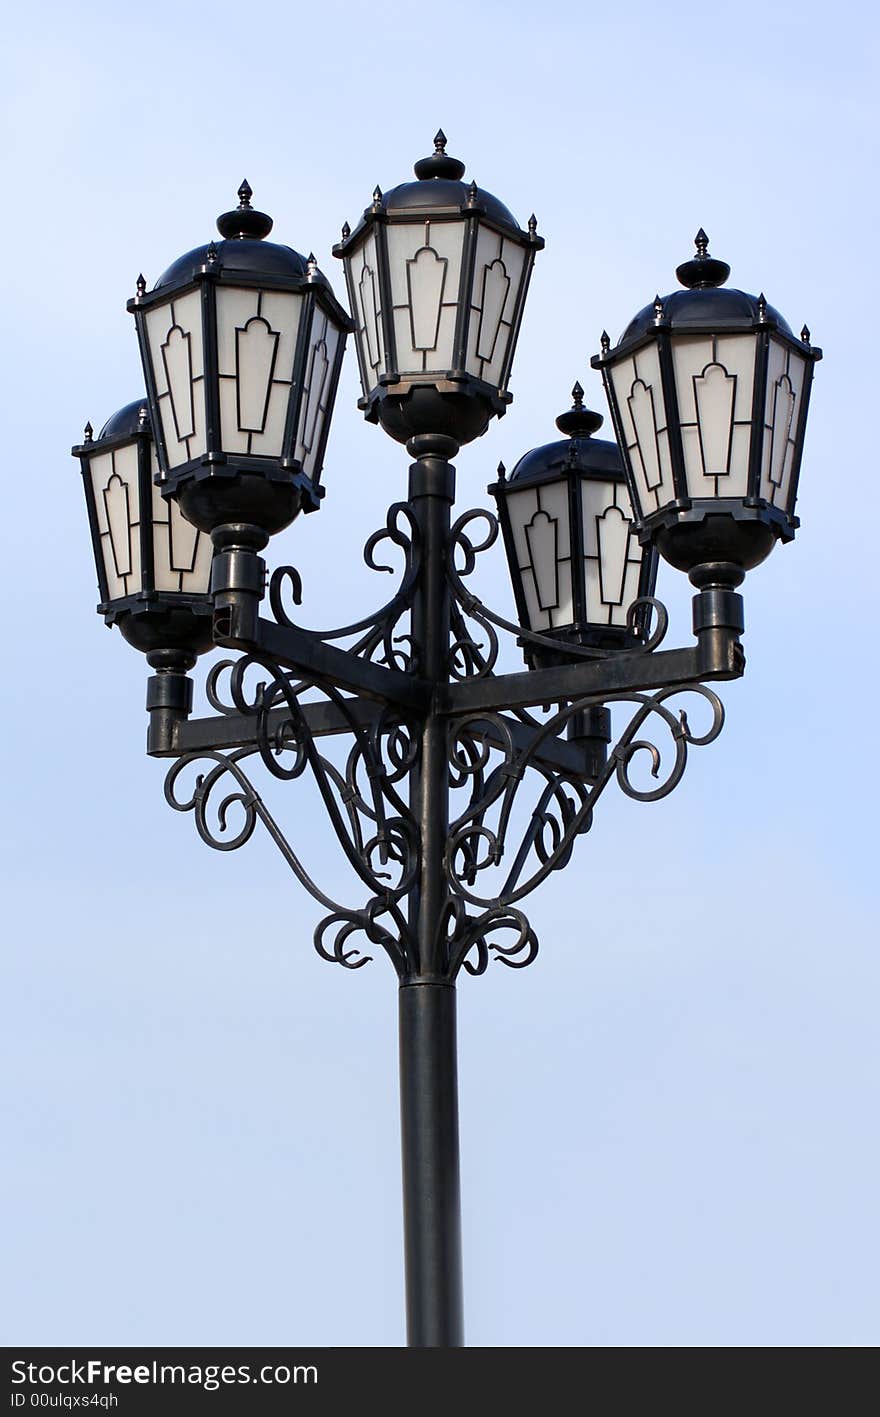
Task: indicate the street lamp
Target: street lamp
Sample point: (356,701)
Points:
(241,346)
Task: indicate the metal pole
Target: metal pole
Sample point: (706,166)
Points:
(428,1064)
(431,1186)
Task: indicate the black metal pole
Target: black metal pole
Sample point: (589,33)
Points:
(431,1186)
(428,1064)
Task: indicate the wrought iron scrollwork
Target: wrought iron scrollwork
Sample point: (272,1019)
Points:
(497,776)
(520,793)
(379,636)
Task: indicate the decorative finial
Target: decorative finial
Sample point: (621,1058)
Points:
(762,306)
(533,224)
(702,272)
(141,286)
(578,422)
(211,254)
(377,197)
(312,263)
(605,342)
(502,472)
(658,310)
(439,164)
(805,335)
(346,231)
(472,194)
(143,417)
(88,433)
(244,222)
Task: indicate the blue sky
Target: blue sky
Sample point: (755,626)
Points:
(669,1121)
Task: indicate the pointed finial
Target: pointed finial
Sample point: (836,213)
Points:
(702,272)
(762,306)
(143,416)
(605,342)
(502,472)
(533,224)
(141,286)
(377,197)
(245,192)
(472,194)
(440,141)
(88,433)
(658,310)
(211,254)
(312,263)
(346,231)
(805,335)
(578,422)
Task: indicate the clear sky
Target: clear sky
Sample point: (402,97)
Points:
(669,1122)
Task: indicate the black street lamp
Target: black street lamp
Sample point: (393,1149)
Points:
(241,346)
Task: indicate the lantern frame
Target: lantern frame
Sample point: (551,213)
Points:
(219,484)
(448,399)
(577,459)
(149,619)
(693,529)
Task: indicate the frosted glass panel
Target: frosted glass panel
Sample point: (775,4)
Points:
(425,271)
(714,380)
(365,296)
(181,554)
(497,278)
(612,555)
(114,477)
(317,390)
(174,339)
(639,396)
(542,541)
(786,373)
(256,344)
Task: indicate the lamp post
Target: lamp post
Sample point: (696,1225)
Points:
(241,344)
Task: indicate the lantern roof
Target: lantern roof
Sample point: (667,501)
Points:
(244,248)
(705,301)
(125,422)
(578,452)
(438,187)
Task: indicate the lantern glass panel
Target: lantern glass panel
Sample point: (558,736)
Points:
(365,294)
(638,392)
(497,278)
(786,374)
(181,553)
(612,554)
(424,260)
(317,389)
(714,382)
(256,344)
(540,523)
(116,492)
(174,334)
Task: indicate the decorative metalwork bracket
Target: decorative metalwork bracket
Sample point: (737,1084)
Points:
(525,752)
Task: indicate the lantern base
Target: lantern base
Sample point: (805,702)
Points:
(162,626)
(216,495)
(741,534)
(453,408)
